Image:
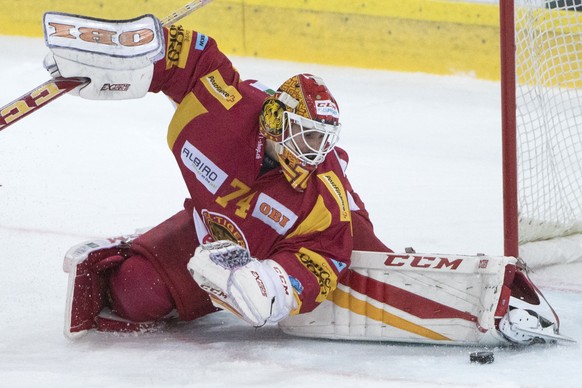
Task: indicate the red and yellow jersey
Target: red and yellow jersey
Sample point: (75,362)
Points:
(214,136)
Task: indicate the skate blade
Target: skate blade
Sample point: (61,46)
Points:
(547,337)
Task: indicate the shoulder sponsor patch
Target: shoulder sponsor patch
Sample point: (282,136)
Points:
(227,95)
(201,41)
(208,173)
(274,214)
(179,42)
(335,187)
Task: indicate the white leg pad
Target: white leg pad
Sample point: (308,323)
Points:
(437,299)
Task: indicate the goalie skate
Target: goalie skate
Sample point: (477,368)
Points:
(526,327)
(85,298)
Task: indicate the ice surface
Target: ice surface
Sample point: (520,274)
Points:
(425,156)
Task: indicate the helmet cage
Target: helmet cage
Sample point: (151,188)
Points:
(308,140)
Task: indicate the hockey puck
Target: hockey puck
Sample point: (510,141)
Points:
(482,357)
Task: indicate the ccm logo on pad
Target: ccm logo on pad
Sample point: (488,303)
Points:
(434,262)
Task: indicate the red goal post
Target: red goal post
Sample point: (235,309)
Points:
(509,151)
(541,82)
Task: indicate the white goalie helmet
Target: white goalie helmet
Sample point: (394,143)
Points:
(302,118)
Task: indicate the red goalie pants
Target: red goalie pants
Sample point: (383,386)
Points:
(155,280)
(138,293)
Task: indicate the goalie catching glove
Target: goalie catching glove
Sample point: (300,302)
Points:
(117,56)
(259,292)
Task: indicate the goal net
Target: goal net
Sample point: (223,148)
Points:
(548,129)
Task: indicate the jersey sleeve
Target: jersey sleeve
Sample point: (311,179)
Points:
(190,55)
(316,254)
(365,238)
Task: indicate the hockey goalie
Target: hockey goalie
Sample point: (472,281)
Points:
(272,231)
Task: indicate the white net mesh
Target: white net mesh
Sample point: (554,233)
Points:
(548,37)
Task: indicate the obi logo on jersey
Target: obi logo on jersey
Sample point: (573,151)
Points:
(207,173)
(274,214)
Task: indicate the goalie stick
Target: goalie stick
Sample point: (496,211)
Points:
(54,88)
